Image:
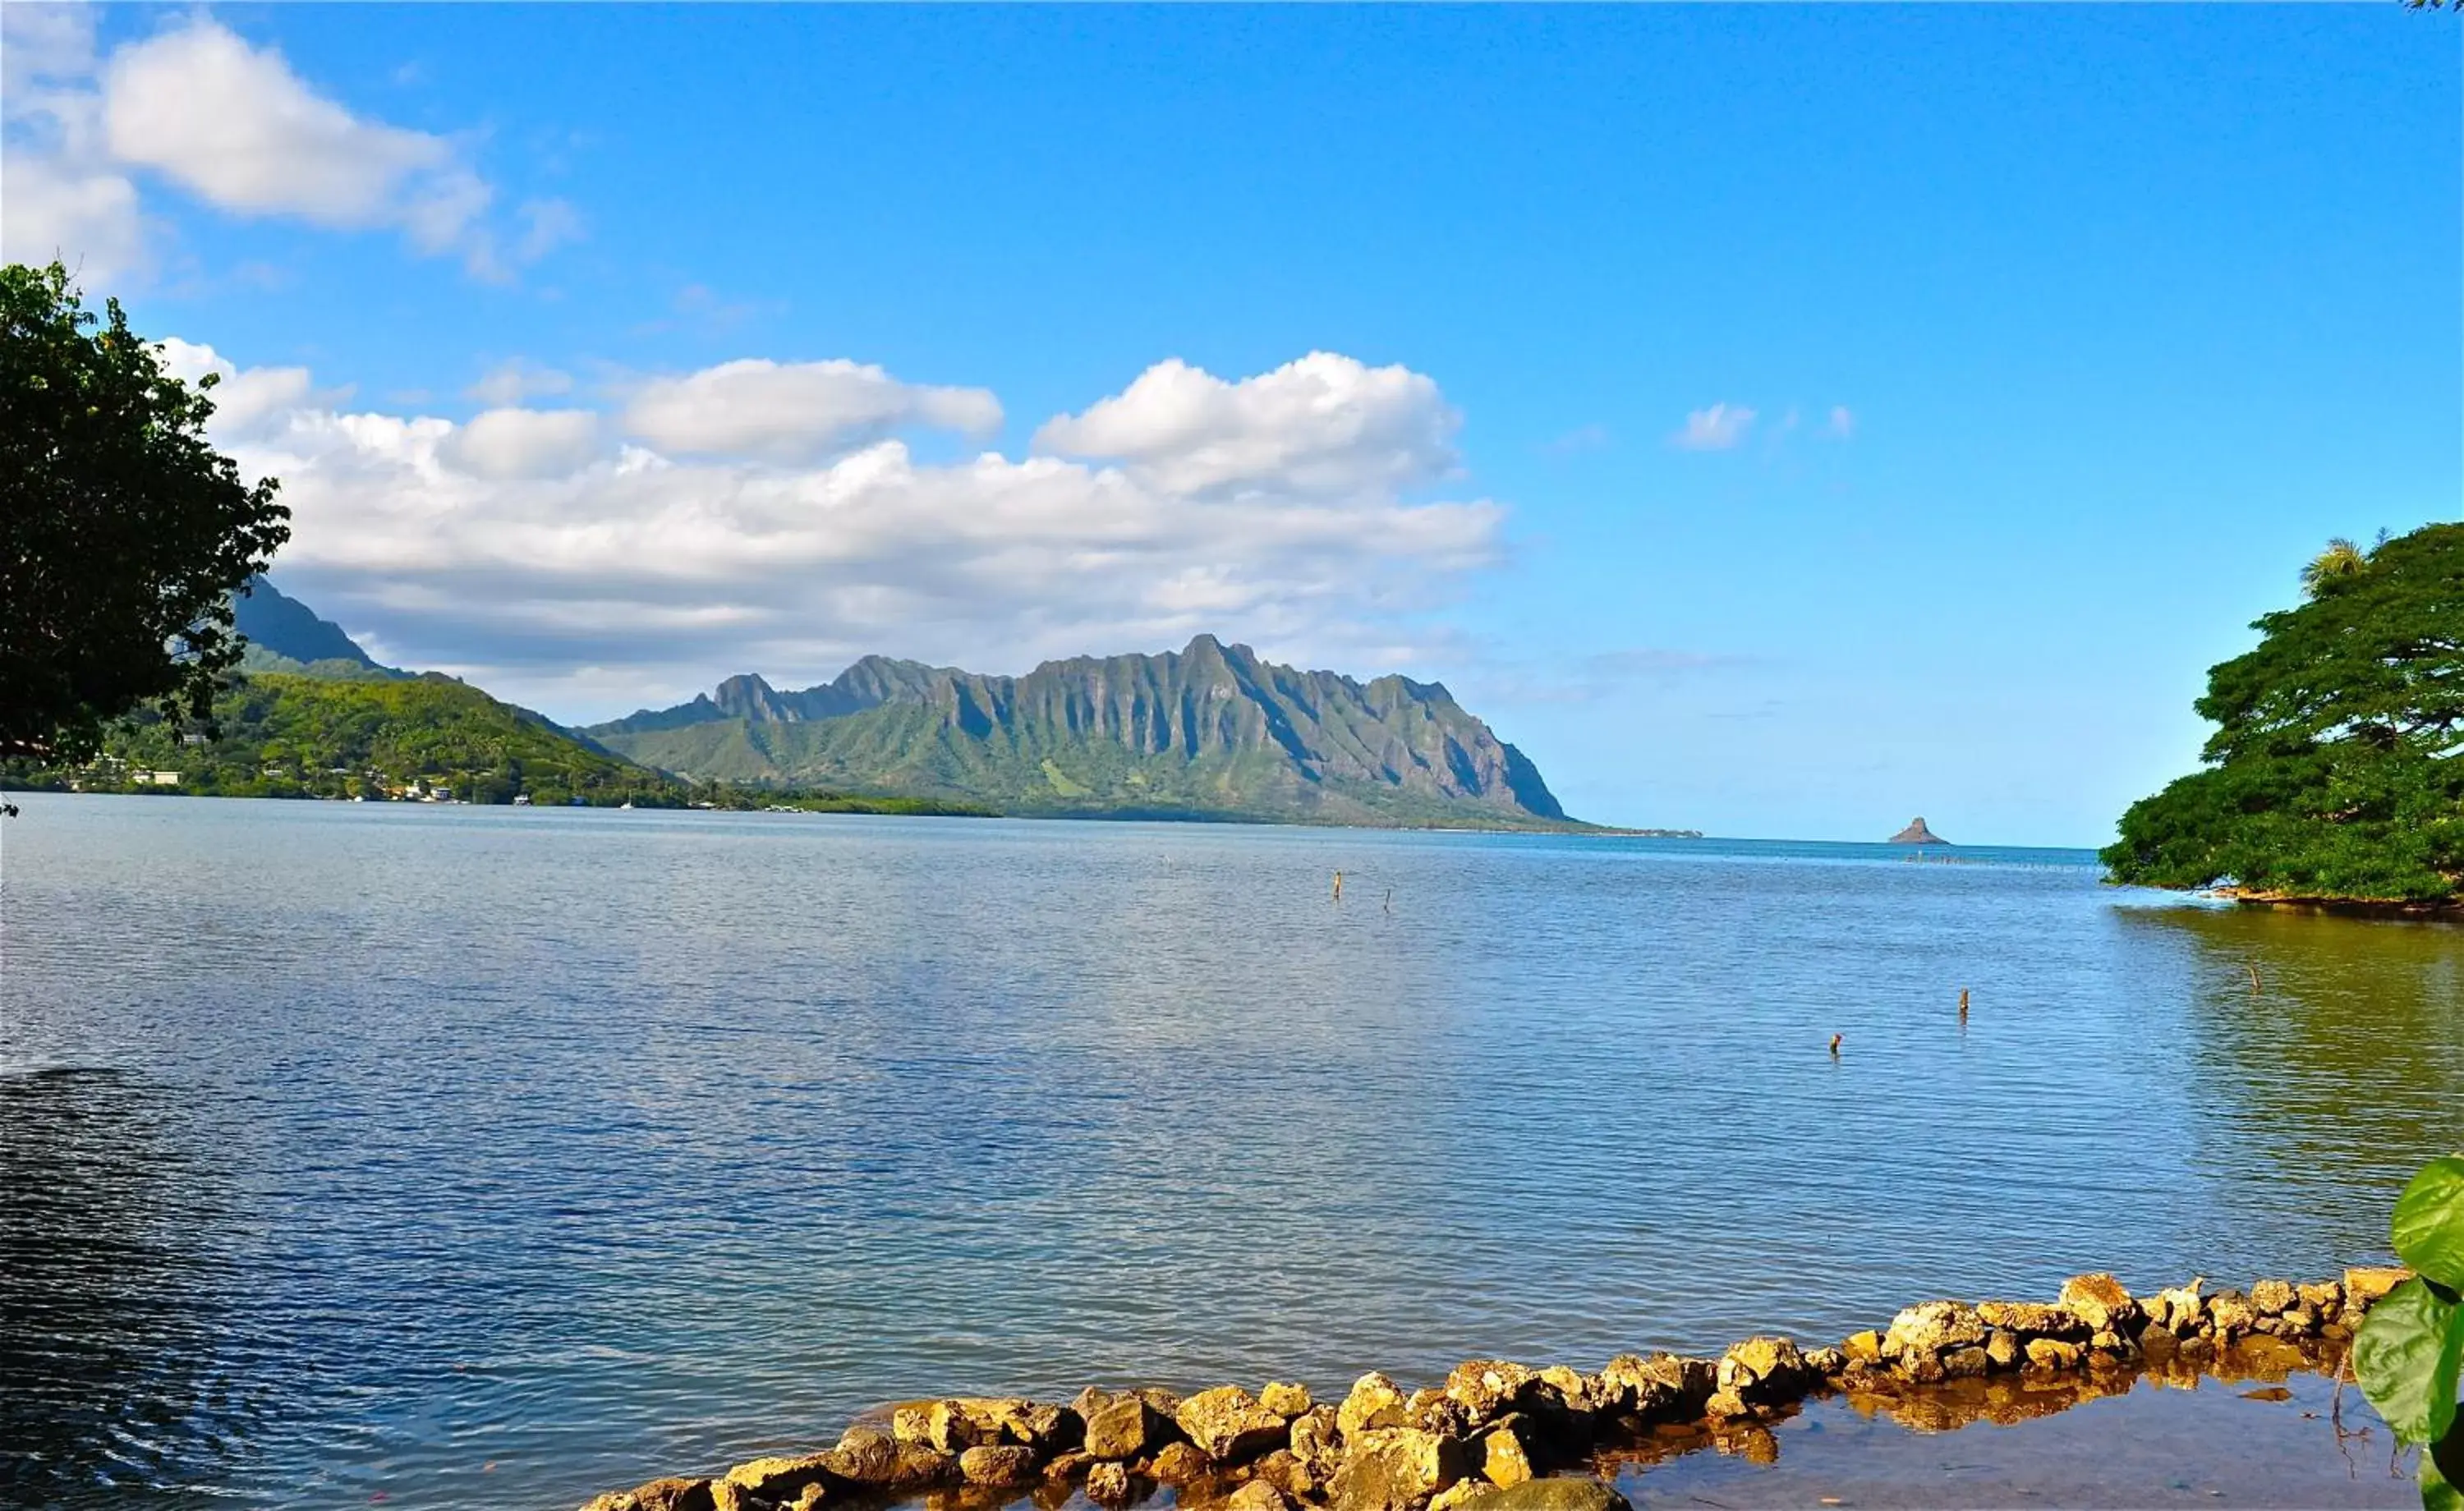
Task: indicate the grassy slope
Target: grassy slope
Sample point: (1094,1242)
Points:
(296,735)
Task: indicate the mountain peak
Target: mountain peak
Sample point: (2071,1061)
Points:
(291,634)
(1916,833)
(1209,731)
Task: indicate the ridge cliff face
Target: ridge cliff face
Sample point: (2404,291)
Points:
(1209,731)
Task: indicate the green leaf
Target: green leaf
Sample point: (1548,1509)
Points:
(2443,1378)
(2430,1223)
(2442,1470)
(2397,1359)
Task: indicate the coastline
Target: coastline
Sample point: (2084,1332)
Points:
(1505,1436)
(2447,911)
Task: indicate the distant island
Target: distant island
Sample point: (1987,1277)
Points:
(1208,732)
(1916,833)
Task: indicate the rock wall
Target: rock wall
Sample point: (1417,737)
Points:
(1494,1434)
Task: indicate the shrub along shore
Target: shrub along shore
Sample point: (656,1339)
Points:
(1492,1438)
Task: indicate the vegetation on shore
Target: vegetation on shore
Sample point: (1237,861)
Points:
(378,735)
(2333,775)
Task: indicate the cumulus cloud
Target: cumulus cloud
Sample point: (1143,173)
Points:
(1324,424)
(504,444)
(791,412)
(1718,428)
(65,197)
(197,106)
(245,403)
(527,550)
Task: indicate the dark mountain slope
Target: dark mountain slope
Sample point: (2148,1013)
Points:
(285,635)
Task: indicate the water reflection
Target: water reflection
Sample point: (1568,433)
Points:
(110,1383)
(2323,1050)
(2266,1424)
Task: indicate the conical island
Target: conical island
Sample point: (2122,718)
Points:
(1916,833)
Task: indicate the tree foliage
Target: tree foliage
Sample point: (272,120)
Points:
(123,532)
(2333,770)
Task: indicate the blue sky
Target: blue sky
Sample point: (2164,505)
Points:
(2066,334)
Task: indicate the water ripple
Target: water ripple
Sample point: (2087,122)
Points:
(481,1158)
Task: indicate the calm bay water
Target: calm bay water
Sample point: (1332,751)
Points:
(490,1157)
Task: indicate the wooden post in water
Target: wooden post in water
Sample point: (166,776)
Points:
(1962,1007)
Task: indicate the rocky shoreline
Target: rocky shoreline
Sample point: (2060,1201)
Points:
(1502,1437)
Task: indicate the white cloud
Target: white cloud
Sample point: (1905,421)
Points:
(245,403)
(1714,429)
(89,221)
(510,381)
(523,552)
(1325,423)
(235,127)
(65,199)
(522,443)
(232,125)
(1842,423)
(790,413)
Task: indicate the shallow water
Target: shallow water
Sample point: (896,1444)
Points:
(495,1157)
(2211,1444)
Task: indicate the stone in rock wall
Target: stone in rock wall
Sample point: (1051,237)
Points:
(2368,1285)
(1285,1472)
(779,1477)
(1286,1401)
(1486,1387)
(997,1464)
(1231,1425)
(1931,1330)
(672,1493)
(2032,1319)
(1374,1402)
(1178,1464)
(1122,1427)
(1395,1469)
(2102,1302)
(1257,1496)
(1437,1411)
(1545,1495)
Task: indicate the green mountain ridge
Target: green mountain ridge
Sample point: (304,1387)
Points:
(1207,731)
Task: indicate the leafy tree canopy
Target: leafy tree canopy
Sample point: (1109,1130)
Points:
(123,532)
(2333,770)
